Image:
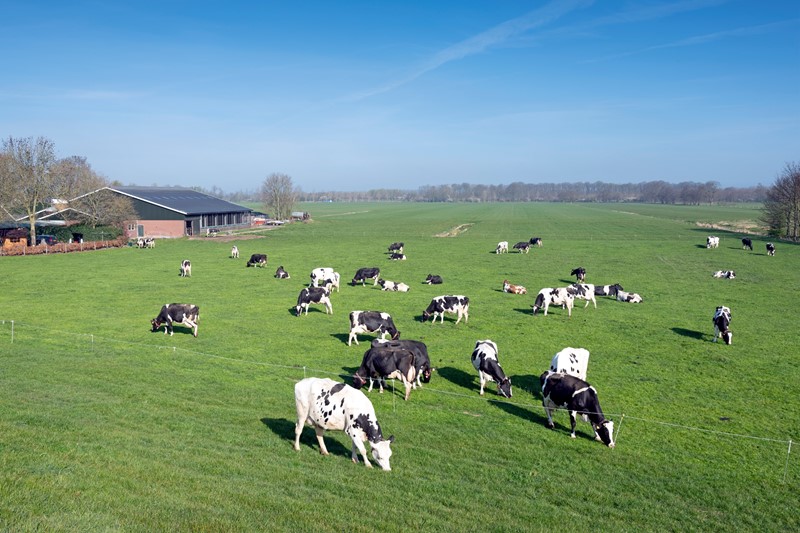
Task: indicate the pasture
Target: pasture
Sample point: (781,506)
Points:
(105,425)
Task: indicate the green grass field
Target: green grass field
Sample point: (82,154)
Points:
(107,426)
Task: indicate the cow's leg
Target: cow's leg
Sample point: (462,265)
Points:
(548,410)
(302,416)
(320,431)
(353,337)
(716,333)
(370,385)
(358,444)
(572,423)
(192,325)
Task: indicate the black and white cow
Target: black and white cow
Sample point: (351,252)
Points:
(712,242)
(363,274)
(770,249)
(727,274)
(186,268)
(502,247)
(629,297)
(422,362)
(371,322)
(484,359)
(281,273)
(234,252)
(572,361)
(577,397)
(313,295)
(387,285)
(523,247)
(396,247)
(440,305)
(325,277)
(185,314)
(747,244)
(549,296)
(325,404)
(583,291)
(146,242)
(397,257)
(536,241)
(257,260)
(607,290)
(383,361)
(579,273)
(433,279)
(722,322)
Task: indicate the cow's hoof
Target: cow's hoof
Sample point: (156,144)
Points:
(550,425)
(572,436)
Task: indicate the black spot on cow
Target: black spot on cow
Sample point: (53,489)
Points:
(336,388)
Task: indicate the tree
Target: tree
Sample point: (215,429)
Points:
(279,195)
(781,210)
(104,208)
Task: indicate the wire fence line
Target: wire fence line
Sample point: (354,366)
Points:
(306,370)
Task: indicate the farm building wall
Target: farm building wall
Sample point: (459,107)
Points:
(155,228)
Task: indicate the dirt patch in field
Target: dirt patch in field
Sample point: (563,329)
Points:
(454,232)
(739,226)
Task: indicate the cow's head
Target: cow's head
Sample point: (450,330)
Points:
(504,387)
(358,381)
(156,324)
(426,375)
(425,316)
(605,432)
(538,303)
(382,451)
(727,336)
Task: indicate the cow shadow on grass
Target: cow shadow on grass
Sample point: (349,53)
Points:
(458,377)
(689,333)
(284,429)
(519,411)
(344,337)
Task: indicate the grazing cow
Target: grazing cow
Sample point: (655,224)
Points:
(383,361)
(522,246)
(770,249)
(371,322)
(363,274)
(583,291)
(257,260)
(235,252)
(513,289)
(722,320)
(185,314)
(397,257)
(326,404)
(572,361)
(577,397)
(727,274)
(396,247)
(747,244)
(712,242)
(331,281)
(433,279)
(579,273)
(146,242)
(549,296)
(281,273)
(536,241)
(607,290)
(387,285)
(325,277)
(422,363)
(186,268)
(484,359)
(502,247)
(630,297)
(314,295)
(447,304)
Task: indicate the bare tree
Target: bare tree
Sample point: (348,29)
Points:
(781,210)
(104,208)
(279,195)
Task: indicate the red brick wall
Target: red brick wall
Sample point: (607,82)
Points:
(157,228)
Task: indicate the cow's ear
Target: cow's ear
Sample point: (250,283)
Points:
(391,439)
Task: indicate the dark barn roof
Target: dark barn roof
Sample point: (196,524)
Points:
(184,201)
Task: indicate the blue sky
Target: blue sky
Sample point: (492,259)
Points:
(362,95)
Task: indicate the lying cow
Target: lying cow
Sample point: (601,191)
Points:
(185,314)
(363,274)
(629,297)
(484,359)
(422,362)
(386,361)
(396,247)
(579,273)
(583,291)
(747,244)
(234,252)
(397,257)
(536,241)
(712,242)
(722,322)
(313,295)
(281,273)
(257,260)
(572,361)
(387,285)
(325,404)
(523,246)
(502,247)
(770,249)
(577,397)
(433,279)
(727,274)
(549,296)
(607,290)
(513,289)
(371,322)
(440,305)
(186,268)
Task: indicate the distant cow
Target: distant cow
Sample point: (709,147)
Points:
(484,359)
(281,273)
(313,295)
(387,285)
(579,273)
(536,241)
(549,296)
(440,305)
(433,279)
(396,247)
(397,257)
(722,322)
(371,322)
(607,290)
(577,397)
(712,242)
(422,362)
(513,289)
(185,314)
(502,247)
(235,252)
(727,274)
(523,247)
(383,361)
(257,260)
(572,361)
(583,291)
(186,268)
(770,249)
(363,274)
(146,242)
(326,404)
(747,244)
(630,297)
